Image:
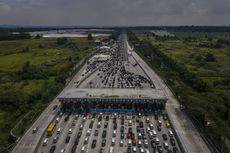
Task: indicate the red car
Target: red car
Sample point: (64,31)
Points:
(128,135)
(134,142)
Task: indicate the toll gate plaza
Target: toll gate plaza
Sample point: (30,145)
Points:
(112,100)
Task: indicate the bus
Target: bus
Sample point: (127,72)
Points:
(51,129)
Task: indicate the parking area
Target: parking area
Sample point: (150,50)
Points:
(142,132)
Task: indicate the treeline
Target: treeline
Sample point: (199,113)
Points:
(12,36)
(148,50)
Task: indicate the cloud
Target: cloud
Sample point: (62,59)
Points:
(115,12)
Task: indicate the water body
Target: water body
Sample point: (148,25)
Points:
(71,35)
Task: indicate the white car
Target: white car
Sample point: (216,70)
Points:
(121,143)
(111,150)
(59,131)
(142,150)
(146,143)
(98,124)
(114,133)
(113,141)
(70,131)
(88,133)
(157,141)
(45,141)
(151,126)
(134,149)
(165,144)
(62,151)
(154,133)
(170,133)
(83,149)
(139,143)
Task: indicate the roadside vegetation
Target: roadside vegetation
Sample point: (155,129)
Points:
(32,72)
(196,66)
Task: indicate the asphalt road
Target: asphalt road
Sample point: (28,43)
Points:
(118,72)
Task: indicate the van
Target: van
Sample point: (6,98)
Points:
(45,141)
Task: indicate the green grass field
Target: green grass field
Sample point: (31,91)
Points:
(50,59)
(203,58)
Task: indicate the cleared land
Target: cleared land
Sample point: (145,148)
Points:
(32,72)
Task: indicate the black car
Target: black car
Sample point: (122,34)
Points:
(52,149)
(169,151)
(103,142)
(94,143)
(122,136)
(175,150)
(172,141)
(122,129)
(79,135)
(141,124)
(153,144)
(164,136)
(115,126)
(67,139)
(96,133)
(104,134)
(106,125)
(160,149)
(159,128)
(101,150)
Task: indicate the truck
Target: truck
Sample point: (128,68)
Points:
(51,129)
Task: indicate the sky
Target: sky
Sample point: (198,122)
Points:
(114,12)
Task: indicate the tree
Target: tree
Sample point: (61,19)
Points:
(37,36)
(90,37)
(62,41)
(209,57)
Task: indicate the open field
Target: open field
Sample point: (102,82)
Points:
(198,66)
(32,72)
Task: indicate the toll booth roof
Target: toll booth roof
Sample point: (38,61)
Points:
(113,93)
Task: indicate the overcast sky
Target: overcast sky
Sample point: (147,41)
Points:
(115,12)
